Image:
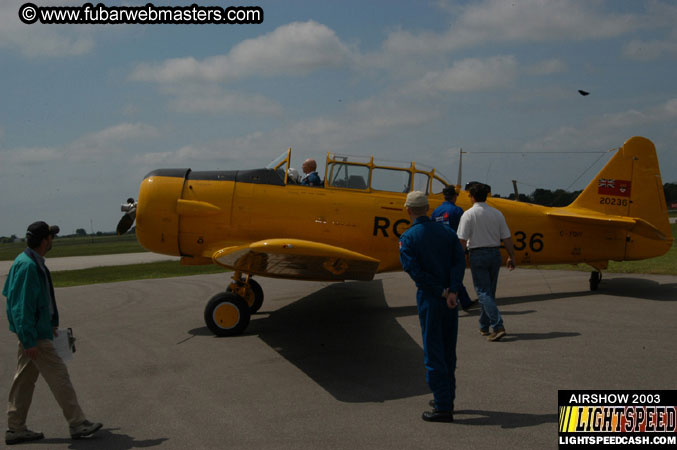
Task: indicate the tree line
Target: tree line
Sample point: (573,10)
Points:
(561,198)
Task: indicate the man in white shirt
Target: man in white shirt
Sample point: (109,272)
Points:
(481,231)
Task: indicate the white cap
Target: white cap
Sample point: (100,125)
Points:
(416,199)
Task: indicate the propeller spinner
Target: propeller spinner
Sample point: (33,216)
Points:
(127,220)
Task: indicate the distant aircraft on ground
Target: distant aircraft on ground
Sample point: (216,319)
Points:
(257,222)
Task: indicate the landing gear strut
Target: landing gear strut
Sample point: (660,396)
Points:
(248,289)
(595,278)
(228,313)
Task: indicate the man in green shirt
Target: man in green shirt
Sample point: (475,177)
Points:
(33,316)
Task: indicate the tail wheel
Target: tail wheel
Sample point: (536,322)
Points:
(595,278)
(251,292)
(227,314)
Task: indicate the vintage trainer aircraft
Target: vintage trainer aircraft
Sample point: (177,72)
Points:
(259,222)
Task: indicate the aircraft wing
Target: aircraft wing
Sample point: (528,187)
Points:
(297,259)
(634,224)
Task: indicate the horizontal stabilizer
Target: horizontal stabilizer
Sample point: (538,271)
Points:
(634,224)
(297,259)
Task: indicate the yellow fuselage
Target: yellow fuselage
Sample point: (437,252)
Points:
(193,217)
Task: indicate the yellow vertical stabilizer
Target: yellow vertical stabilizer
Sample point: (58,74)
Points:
(630,185)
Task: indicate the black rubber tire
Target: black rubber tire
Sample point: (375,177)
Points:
(595,278)
(236,311)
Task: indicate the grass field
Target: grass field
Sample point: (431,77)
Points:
(111,274)
(79,246)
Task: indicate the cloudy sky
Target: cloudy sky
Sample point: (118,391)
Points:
(88,110)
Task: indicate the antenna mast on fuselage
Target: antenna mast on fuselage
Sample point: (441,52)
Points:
(460,167)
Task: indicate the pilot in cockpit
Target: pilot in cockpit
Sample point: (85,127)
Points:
(311,178)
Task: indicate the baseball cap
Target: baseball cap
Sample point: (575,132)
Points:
(416,199)
(40,230)
(449,191)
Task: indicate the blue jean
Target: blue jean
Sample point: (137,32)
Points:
(439,327)
(484,266)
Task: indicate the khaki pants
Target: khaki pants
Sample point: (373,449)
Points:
(54,371)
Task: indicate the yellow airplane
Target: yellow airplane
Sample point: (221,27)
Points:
(259,222)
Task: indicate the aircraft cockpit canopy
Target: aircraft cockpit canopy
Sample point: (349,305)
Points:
(359,172)
(363,173)
(281,164)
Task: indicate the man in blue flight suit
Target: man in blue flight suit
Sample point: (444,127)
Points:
(448,213)
(311,178)
(433,257)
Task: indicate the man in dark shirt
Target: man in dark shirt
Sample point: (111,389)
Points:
(311,178)
(433,257)
(448,213)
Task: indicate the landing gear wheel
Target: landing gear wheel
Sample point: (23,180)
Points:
(253,294)
(595,278)
(226,314)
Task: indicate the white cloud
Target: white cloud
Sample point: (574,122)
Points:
(375,118)
(639,50)
(538,20)
(218,154)
(500,22)
(29,156)
(88,147)
(121,132)
(547,67)
(39,40)
(671,107)
(659,15)
(212,99)
(294,49)
(109,140)
(473,74)
(596,132)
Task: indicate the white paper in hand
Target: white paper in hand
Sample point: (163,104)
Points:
(61,345)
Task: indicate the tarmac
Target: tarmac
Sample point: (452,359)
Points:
(340,365)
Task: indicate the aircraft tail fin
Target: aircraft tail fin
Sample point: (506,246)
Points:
(630,185)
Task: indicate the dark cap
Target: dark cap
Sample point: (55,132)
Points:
(40,230)
(449,191)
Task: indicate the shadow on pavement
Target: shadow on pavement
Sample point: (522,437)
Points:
(537,336)
(639,288)
(504,419)
(347,339)
(104,439)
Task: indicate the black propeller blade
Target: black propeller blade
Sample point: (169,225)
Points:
(127,220)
